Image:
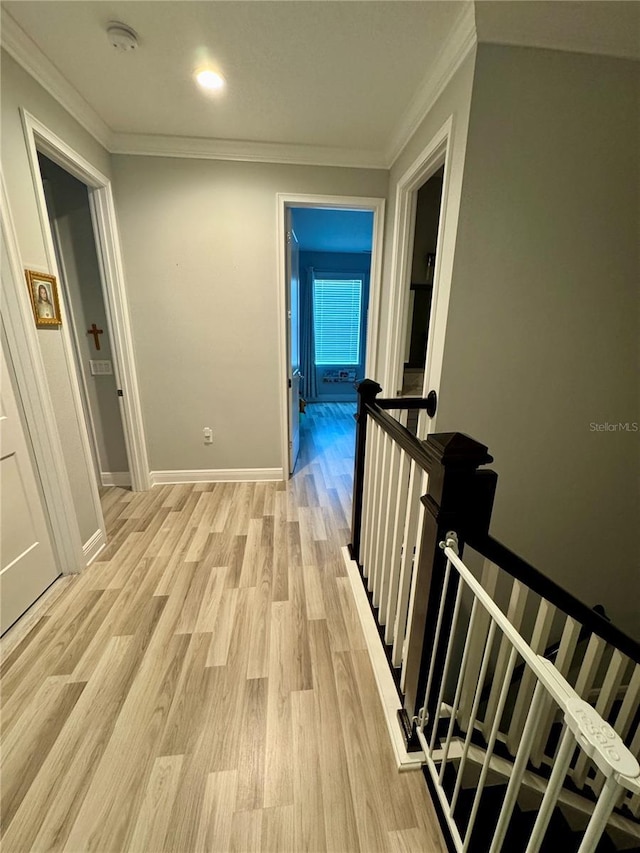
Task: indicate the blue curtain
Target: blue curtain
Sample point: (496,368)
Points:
(309,387)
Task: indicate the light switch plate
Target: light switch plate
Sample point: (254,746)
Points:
(101,368)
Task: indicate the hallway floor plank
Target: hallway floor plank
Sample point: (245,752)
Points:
(203,686)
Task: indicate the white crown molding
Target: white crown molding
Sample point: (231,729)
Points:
(456,48)
(198,148)
(27,54)
(217,475)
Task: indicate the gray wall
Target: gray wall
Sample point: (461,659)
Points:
(20,90)
(200,252)
(70,211)
(542,337)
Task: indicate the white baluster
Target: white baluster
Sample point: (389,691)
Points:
(515,613)
(489,579)
(554,785)
(540,698)
(630,703)
(608,691)
(589,667)
(600,816)
(497,716)
(562,663)
(447,661)
(381,517)
(461,678)
(372,519)
(584,683)
(474,712)
(411,540)
(367,489)
(436,636)
(381,588)
(396,546)
(539,639)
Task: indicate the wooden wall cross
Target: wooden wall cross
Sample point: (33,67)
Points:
(95,331)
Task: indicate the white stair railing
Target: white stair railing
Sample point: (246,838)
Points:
(586,737)
(405,492)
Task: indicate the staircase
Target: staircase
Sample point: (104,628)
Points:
(520,703)
(560,834)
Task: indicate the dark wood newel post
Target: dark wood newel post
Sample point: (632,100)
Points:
(367,393)
(460,498)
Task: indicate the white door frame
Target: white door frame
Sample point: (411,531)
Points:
(64,287)
(432,157)
(28,365)
(40,139)
(335,202)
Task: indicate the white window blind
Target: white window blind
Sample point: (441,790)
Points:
(336,319)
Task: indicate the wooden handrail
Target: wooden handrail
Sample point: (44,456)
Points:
(539,583)
(459,497)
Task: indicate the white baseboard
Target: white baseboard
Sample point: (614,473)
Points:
(217,475)
(93,546)
(115,478)
(384,680)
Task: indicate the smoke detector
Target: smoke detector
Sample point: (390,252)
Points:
(122,37)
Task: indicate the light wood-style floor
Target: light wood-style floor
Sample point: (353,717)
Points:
(204,684)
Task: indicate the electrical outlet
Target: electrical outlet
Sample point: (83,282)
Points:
(208,435)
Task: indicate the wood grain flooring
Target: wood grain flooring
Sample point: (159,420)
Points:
(204,685)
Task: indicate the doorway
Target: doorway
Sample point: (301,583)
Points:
(69,212)
(331,291)
(42,141)
(423,261)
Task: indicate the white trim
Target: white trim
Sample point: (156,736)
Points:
(31,128)
(40,138)
(377,207)
(63,283)
(217,475)
(380,665)
(116,478)
(93,546)
(33,388)
(29,56)
(429,160)
(103,213)
(454,51)
(237,149)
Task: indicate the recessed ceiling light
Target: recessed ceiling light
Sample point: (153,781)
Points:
(210,79)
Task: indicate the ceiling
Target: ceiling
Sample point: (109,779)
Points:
(351,79)
(324,230)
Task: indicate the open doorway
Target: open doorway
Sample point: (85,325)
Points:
(332,273)
(423,261)
(333,249)
(69,213)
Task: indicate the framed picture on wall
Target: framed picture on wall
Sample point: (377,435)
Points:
(43,290)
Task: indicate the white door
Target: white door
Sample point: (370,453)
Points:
(293,342)
(27,564)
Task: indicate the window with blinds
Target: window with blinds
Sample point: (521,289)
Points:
(337,307)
